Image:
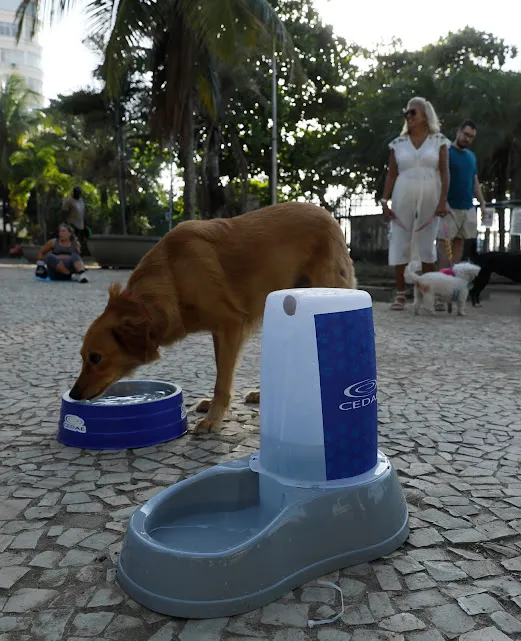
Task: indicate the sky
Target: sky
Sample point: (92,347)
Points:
(68,64)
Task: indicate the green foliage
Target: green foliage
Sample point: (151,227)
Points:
(16,120)
(205,85)
(89,120)
(462,76)
(311,107)
(34,169)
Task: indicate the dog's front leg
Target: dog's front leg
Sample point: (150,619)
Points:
(462,299)
(417,300)
(227,344)
(205,403)
(480,282)
(429,302)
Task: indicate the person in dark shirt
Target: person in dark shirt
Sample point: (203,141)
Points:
(73,208)
(461,224)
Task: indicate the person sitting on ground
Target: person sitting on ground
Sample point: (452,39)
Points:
(61,257)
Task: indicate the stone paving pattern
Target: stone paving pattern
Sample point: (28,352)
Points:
(450,419)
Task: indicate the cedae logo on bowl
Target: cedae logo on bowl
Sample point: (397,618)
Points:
(360,394)
(183,411)
(74,423)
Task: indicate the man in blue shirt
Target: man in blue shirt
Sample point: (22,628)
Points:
(461,223)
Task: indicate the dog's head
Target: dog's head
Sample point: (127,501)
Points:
(115,344)
(467,271)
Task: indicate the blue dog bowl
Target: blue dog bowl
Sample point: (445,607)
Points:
(130,414)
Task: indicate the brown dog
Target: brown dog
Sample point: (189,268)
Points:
(212,276)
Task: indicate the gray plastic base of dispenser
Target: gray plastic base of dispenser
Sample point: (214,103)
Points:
(230,540)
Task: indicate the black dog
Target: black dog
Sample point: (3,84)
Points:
(505,264)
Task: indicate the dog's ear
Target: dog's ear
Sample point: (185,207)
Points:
(135,337)
(114,290)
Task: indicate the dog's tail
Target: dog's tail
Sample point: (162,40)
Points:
(411,272)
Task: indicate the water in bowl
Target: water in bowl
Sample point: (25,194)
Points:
(213,531)
(132,399)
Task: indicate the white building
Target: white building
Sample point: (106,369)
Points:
(24,58)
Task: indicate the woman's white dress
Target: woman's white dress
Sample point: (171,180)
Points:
(416,195)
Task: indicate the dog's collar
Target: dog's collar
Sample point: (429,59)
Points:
(448,270)
(128,294)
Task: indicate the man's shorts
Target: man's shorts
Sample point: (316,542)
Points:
(459,223)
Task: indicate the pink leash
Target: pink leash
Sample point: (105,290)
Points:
(398,221)
(400,224)
(427,223)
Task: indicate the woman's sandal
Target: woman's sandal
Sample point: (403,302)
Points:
(398,305)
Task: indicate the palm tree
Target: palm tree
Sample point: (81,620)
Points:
(16,119)
(232,80)
(193,40)
(187,38)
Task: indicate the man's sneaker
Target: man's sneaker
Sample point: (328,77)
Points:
(79,278)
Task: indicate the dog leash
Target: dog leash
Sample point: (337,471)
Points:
(398,222)
(448,244)
(426,224)
(395,218)
(448,251)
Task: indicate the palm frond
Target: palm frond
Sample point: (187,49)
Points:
(208,90)
(45,11)
(222,26)
(269,22)
(123,24)
(173,60)
(213,24)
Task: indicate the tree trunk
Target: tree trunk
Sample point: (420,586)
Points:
(104,199)
(323,201)
(171,188)
(8,228)
(501,193)
(501,220)
(486,241)
(216,197)
(41,217)
(187,154)
(515,241)
(8,215)
(120,142)
(5,244)
(242,166)
(515,182)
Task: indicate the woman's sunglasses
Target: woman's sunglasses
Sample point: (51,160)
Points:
(409,112)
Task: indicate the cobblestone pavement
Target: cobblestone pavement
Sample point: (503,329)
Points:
(450,402)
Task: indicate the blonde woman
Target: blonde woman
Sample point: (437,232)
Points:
(417,183)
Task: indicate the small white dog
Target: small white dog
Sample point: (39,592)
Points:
(448,285)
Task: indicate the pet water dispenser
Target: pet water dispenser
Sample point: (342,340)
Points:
(318,496)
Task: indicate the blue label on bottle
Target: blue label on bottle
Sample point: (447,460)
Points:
(348,388)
